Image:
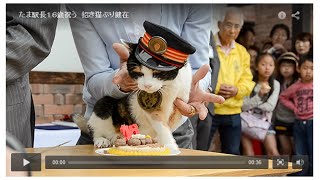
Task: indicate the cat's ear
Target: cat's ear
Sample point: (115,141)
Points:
(131,46)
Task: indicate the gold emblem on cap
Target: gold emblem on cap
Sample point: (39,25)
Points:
(157,45)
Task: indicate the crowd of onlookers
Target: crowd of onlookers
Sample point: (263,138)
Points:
(291,120)
(287,67)
(276,115)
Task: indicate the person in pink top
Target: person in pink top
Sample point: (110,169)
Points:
(299,98)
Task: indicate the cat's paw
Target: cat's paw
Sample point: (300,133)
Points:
(173,147)
(101,142)
(113,139)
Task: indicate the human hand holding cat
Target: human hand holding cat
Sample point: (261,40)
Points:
(198,97)
(122,78)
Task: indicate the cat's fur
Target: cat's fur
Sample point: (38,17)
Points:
(109,113)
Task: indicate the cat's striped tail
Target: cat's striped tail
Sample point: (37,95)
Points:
(81,122)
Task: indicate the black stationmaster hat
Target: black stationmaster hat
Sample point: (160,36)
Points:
(161,49)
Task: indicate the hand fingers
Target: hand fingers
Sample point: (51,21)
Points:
(122,51)
(203,112)
(122,75)
(209,97)
(129,88)
(222,88)
(116,79)
(200,74)
(121,80)
(131,83)
(201,109)
(119,76)
(227,88)
(226,97)
(183,107)
(224,92)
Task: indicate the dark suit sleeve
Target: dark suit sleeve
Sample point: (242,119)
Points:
(28,40)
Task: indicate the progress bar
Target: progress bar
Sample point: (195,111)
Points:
(156,162)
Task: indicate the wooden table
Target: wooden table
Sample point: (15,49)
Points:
(89,150)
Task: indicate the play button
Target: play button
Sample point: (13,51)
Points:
(25,162)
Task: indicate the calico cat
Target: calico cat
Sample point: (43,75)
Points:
(161,89)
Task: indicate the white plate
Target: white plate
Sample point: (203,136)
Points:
(101,151)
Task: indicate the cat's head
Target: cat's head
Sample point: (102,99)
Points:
(149,80)
(157,57)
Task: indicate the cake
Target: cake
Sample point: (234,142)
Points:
(137,145)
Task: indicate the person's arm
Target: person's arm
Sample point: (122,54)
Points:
(245,84)
(286,98)
(94,57)
(251,102)
(28,40)
(272,101)
(196,31)
(256,101)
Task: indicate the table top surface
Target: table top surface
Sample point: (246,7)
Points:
(89,150)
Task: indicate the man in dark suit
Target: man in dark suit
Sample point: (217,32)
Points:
(29,38)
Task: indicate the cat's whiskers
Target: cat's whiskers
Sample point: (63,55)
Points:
(166,88)
(133,93)
(162,91)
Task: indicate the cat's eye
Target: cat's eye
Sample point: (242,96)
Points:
(156,72)
(139,73)
(165,75)
(136,74)
(136,69)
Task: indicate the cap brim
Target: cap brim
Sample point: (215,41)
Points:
(150,62)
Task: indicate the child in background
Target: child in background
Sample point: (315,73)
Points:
(287,74)
(262,100)
(299,98)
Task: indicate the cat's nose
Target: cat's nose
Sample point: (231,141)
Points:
(147,86)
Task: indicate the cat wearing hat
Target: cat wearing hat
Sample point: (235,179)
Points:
(159,65)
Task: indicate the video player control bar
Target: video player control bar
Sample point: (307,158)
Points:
(155,162)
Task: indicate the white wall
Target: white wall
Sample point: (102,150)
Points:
(63,56)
